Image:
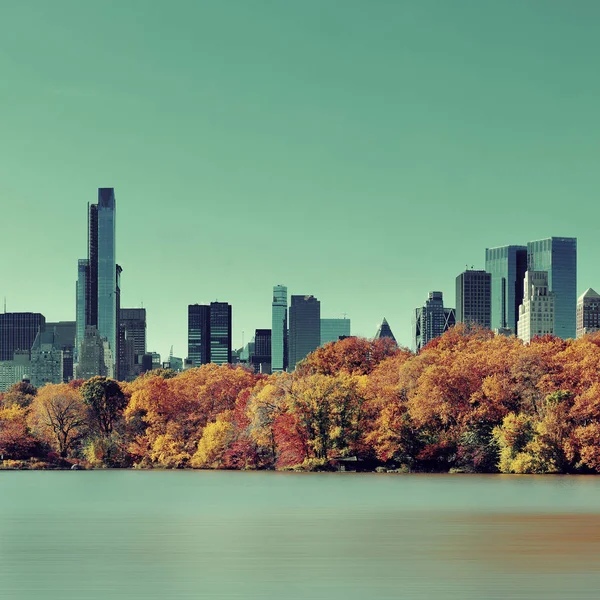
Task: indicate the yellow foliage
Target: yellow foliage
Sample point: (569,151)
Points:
(213,443)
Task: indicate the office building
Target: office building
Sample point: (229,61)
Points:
(279,330)
(385,331)
(132,342)
(261,357)
(15,370)
(558,257)
(98,276)
(588,312)
(95,356)
(65,334)
(220,333)
(46,359)
(507,266)
(18,331)
(432,320)
(305,328)
(473,298)
(536,314)
(333,329)
(199,334)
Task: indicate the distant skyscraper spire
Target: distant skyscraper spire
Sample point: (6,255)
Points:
(385,331)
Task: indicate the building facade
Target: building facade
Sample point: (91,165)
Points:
(261,357)
(46,359)
(588,312)
(132,342)
(558,257)
(536,313)
(199,334)
(279,329)
(305,328)
(15,370)
(220,333)
(333,329)
(507,266)
(473,298)
(65,334)
(18,332)
(95,356)
(432,320)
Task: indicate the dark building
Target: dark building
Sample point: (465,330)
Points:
(473,298)
(305,328)
(261,358)
(220,333)
(507,266)
(132,342)
(558,257)
(199,334)
(432,320)
(98,286)
(65,332)
(18,332)
(385,331)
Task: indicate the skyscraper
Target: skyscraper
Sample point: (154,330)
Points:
(384,331)
(65,334)
(99,274)
(333,329)
(46,359)
(199,334)
(558,257)
(473,298)
(279,330)
(261,358)
(507,266)
(305,327)
(132,341)
(588,312)
(432,320)
(18,331)
(536,314)
(220,333)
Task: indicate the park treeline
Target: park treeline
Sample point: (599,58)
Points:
(470,401)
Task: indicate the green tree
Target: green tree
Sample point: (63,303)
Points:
(106,402)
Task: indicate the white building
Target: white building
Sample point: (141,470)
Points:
(536,314)
(588,312)
(14,371)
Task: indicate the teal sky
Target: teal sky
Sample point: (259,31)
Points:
(361,151)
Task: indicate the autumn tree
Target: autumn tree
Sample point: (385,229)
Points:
(21,394)
(58,417)
(106,402)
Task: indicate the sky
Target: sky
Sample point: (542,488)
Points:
(360,151)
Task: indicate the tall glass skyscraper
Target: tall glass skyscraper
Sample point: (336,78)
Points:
(279,329)
(333,329)
(199,334)
(220,333)
(18,332)
(473,298)
(558,256)
(107,268)
(507,266)
(432,320)
(305,327)
(97,277)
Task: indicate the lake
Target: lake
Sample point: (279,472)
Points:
(236,535)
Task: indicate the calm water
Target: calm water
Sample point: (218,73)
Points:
(172,535)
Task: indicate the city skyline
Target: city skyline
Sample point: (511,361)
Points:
(239,128)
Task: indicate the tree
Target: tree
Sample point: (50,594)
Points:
(15,441)
(106,401)
(58,416)
(21,394)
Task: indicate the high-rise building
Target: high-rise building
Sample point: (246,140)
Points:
(432,320)
(199,334)
(99,274)
(588,312)
(473,298)
(507,266)
(132,342)
(18,331)
(385,331)
(46,359)
(95,356)
(15,370)
(536,314)
(261,358)
(558,257)
(305,328)
(220,333)
(65,334)
(279,330)
(333,329)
